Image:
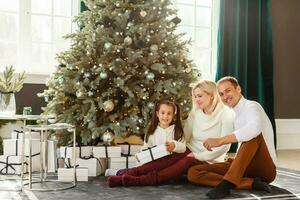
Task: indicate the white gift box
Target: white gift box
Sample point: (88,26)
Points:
(67,174)
(107,151)
(81,152)
(20,135)
(130,149)
(153,153)
(96,166)
(122,162)
(14,147)
(11,165)
(51,155)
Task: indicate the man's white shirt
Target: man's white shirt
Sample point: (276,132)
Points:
(250,121)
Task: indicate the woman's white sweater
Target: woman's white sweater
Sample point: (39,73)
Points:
(200,126)
(163,135)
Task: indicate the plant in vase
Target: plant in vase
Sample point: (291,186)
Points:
(10,84)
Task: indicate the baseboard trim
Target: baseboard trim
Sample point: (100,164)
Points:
(288,133)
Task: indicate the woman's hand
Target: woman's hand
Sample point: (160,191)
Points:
(170,146)
(191,155)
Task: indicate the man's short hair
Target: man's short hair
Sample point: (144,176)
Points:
(231,79)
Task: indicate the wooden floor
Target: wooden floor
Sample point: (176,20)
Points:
(289,159)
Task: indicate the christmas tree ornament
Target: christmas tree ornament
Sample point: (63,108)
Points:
(90,93)
(150,76)
(128,40)
(79,93)
(108,106)
(87,75)
(107,137)
(143,13)
(103,75)
(107,45)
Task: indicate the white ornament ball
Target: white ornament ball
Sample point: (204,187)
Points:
(150,76)
(108,106)
(128,40)
(103,75)
(107,45)
(107,137)
(153,47)
(143,13)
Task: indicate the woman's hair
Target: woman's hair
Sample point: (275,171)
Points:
(209,87)
(154,121)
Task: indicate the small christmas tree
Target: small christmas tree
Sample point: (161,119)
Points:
(124,59)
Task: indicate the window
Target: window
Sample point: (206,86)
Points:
(31,33)
(199,22)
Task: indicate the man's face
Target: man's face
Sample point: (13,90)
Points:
(229,94)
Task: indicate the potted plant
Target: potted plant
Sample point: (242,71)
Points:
(9,85)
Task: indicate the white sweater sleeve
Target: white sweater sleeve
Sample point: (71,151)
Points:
(253,127)
(180,146)
(148,144)
(227,127)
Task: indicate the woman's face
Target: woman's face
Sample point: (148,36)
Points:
(203,99)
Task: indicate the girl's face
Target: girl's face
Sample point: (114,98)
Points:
(165,115)
(203,99)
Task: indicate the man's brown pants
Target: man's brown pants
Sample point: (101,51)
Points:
(252,160)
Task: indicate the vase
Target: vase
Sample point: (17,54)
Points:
(7,104)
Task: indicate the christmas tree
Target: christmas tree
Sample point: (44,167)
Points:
(125,58)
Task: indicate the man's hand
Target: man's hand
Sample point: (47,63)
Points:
(212,142)
(170,146)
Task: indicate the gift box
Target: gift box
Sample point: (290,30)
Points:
(11,165)
(81,152)
(122,162)
(130,149)
(51,155)
(153,153)
(14,147)
(20,135)
(107,151)
(67,174)
(96,166)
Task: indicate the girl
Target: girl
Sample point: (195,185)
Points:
(163,130)
(208,118)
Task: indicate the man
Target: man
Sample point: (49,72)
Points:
(253,167)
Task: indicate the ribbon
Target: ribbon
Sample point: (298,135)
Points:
(150,151)
(129,148)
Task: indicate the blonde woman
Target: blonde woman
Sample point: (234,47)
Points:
(208,118)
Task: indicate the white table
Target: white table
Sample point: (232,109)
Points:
(43,178)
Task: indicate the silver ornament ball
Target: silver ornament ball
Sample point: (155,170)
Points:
(103,75)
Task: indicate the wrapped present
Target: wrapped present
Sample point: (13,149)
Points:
(81,152)
(96,166)
(129,149)
(20,135)
(67,174)
(11,165)
(107,151)
(122,162)
(13,147)
(51,155)
(153,153)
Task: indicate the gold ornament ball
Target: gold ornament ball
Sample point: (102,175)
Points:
(108,106)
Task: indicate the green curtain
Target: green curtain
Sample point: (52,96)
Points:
(245,50)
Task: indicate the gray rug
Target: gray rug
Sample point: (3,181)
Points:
(286,186)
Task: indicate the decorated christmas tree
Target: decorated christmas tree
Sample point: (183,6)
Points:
(125,57)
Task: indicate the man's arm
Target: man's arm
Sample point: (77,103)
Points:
(216,142)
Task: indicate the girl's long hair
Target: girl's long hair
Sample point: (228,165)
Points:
(178,135)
